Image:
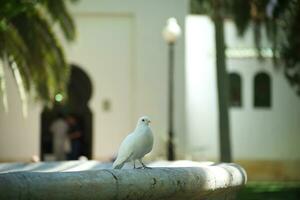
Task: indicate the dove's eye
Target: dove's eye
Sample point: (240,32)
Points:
(143,120)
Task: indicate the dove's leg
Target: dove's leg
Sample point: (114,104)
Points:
(134,165)
(144,166)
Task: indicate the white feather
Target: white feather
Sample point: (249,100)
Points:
(136,145)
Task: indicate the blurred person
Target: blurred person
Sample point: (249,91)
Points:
(74,134)
(83,158)
(35,159)
(61,141)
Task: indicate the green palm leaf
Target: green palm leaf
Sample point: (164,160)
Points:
(59,13)
(12,51)
(3,94)
(33,52)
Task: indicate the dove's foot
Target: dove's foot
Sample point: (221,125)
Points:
(144,166)
(134,165)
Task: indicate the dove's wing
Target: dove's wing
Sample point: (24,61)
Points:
(143,143)
(125,151)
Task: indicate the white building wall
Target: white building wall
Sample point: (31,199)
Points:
(256,134)
(148,65)
(265,133)
(145,53)
(19,136)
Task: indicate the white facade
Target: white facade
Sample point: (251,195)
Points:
(120,47)
(256,133)
(19,136)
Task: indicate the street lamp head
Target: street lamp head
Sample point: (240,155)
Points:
(172,31)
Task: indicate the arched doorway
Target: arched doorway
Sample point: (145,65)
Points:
(79,93)
(262,90)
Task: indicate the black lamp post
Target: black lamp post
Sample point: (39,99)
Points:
(171,33)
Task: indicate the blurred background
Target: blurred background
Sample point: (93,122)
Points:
(220,80)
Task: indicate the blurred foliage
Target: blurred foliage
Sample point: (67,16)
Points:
(30,48)
(280,18)
(270,191)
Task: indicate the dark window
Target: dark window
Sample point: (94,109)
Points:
(262,90)
(235,90)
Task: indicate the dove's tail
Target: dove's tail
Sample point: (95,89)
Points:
(119,162)
(118,166)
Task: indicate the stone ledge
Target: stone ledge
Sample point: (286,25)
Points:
(204,182)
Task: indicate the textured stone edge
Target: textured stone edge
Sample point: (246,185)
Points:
(158,183)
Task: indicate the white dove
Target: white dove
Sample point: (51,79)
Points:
(136,145)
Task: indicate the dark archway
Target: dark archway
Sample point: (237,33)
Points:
(79,93)
(262,90)
(235,90)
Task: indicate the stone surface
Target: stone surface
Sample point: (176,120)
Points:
(207,181)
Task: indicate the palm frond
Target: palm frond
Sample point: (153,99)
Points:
(3,91)
(31,49)
(290,44)
(58,12)
(21,86)
(241,15)
(15,52)
(11,8)
(50,69)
